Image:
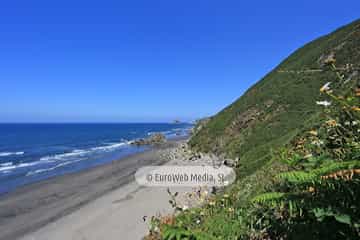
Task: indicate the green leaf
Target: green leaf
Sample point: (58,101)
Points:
(268,197)
(343,218)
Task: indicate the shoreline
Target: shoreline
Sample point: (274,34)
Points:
(33,206)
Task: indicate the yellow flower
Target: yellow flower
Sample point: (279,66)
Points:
(331,123)
(330,59)
(357,92)
(212,203)
(354,108)
(231,210)
(326,87)
(313,132)
(204,194)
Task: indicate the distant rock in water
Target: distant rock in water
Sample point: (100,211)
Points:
(154,139)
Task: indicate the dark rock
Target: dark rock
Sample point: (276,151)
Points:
(154,139)
(231,162)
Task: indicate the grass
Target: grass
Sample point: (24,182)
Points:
(280,105)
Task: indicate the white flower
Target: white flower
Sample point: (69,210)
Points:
(317,142)
(354,123)
(198,221)
(326,87)
(185,208)
(323,103)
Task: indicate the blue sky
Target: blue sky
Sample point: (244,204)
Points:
(136,61)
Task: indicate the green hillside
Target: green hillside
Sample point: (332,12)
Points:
(281,104)
(299,162)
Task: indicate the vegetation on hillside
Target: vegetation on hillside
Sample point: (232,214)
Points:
(279,106)
(299,152)
(318,197)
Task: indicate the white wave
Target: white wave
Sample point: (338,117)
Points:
(6,154)
(79,153)
(6,167)
(62,156)
(6,164)
(110,147)
(51,168)
(65,158)
(9,166)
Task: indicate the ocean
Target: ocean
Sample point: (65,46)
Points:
(35,152)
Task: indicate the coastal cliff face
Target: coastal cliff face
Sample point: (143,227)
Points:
(282,104)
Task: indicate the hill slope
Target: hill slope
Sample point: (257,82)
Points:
(282,104)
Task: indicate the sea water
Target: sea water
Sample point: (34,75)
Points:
(34,152)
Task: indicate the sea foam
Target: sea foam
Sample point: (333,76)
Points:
(79,153)
(10,166)
(6,154)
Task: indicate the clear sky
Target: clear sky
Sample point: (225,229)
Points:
(146,60)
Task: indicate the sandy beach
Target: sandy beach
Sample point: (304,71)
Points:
(101,203)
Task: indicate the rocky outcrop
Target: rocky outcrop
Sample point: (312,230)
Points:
(154,139)
(183,153)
